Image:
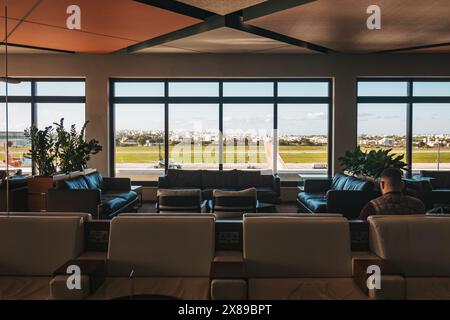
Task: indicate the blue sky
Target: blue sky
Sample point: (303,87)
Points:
(306,119)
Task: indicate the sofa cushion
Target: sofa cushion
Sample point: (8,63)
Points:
(249,179)
(441,179)
(184,178)
(94,180)
(76,183)
(227,179)
(316,202)
(179,198)
(266,194)
(37,246)
(344,182)
(235,199)
(111,203)
(127,196)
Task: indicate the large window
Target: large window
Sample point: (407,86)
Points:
(410,116)
(40,102)
(278,126)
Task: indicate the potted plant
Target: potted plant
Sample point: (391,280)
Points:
(73,151)
(56,155)
(370,164)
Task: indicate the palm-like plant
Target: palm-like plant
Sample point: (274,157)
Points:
(74,151)
(371,163)
(42,150)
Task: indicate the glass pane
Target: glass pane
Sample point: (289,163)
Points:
(62,88)
(303,89)
(436,89)
(194,136)
(18,89)
(431,137)
(19,120)
(382,88)
(49,113)
(248,136)
(382,126)
(139,138)
(194,89)
(303,137)
(248,89)
(139,89)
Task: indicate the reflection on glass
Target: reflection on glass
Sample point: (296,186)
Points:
(248,142)
(193,89)
(303,137)
(303,89)
(382,126)
(194,136)
(431,89)
(431,136)
(382,88)
(139,89)
(19,120)
(248,89)
(16,89)
(139,141)
(49,113)
(60,88)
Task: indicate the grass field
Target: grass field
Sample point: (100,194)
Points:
(289,154)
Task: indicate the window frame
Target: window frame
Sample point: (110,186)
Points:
(220,100)
(409,100)
(34,99)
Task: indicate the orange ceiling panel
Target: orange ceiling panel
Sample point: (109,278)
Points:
(17,8)
(126,19)
(37,35)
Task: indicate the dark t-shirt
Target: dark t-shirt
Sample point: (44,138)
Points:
(392,203)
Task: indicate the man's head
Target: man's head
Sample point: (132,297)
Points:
(391,180)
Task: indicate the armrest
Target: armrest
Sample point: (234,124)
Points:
(228,276)
(85,200)
(228,265)
(162,182)
(93,274)
(277,185)
(392,282)
(117,184)
(348,202)
(317,185)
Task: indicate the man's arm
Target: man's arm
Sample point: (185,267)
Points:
(366,211)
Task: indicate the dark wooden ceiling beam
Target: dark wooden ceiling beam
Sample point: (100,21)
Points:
(429,46)
(209,24)
(179,7)
(271,6)
(233,20)
(35,48)
(236,22)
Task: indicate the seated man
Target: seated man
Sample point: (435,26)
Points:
(392,201)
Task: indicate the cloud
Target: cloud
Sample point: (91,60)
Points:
(315,116)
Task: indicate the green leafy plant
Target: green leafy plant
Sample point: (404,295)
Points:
(60,150)
(73,151)
(370,163)
(42,153)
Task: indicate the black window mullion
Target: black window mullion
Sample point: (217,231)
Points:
(275,136)
(221,147)
(166,126)
(330,129)
(409,128)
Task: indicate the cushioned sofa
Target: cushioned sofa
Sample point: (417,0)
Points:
(432,187)
(342,194)
(100,196)
(267,186)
